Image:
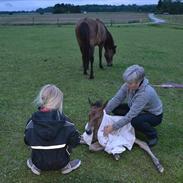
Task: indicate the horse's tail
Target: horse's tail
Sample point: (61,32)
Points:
(84,34)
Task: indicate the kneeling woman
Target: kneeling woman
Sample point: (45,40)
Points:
(144,109)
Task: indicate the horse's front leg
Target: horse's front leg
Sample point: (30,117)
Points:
(146,148)
(100,57)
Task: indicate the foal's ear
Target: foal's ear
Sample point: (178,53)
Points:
(104,105)
(90,102)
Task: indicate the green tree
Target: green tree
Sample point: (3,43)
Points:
(170,6)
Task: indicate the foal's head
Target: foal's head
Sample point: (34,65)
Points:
(95,118)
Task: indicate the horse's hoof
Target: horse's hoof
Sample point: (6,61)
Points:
(160,168)
(101,67)
(109,65)
(91,77)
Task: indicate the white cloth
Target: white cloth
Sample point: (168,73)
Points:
(117,141)
(87,138)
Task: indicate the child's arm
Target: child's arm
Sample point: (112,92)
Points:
(74,139)
(67,118)
(29,124)
(27,131)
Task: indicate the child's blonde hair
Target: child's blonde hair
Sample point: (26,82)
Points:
(50,97)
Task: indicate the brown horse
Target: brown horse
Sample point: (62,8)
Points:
(95,118)
(91,33)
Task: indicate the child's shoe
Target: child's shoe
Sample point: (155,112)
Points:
(33,168)
(72,165)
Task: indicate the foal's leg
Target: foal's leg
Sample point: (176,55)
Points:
(100,57)
(155,160)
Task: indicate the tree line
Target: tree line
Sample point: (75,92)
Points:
(164,6)
(60,8)
(170,6)
(68,8)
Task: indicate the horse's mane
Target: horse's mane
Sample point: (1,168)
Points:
(109,42)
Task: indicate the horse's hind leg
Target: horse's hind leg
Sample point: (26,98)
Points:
(91,69)
(84,65)
(91,63)
(146,148)
(84,59)
(100,57)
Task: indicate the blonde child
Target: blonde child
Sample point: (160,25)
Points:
(50,134)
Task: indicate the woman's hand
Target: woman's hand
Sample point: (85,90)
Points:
(108,129)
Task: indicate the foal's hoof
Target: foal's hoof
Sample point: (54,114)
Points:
(91,77)
(116,157)
(160,168)
(82,141)
(96,147)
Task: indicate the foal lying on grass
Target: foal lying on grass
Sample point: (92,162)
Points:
(95,118)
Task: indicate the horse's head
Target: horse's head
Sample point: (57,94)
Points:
(110,49)
(95,118)
(109,53)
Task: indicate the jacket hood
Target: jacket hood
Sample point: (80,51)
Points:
(143,85)
(48,124)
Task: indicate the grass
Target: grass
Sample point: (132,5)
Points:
(32,56)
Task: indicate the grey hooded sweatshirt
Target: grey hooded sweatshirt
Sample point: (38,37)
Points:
(144,99)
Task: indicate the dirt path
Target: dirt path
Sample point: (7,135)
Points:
(154,19)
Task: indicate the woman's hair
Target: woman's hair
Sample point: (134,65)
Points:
(134,73)
(50,97)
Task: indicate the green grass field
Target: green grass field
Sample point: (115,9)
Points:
(32,56)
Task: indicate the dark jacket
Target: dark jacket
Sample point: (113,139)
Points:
(50,135)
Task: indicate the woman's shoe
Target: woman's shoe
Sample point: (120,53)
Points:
(152,142)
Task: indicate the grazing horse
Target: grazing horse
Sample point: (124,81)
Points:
(95,118)
(91,33)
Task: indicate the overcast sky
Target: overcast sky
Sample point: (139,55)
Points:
(16,5)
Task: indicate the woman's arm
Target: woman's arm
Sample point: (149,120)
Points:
(117,99)
(137,107)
